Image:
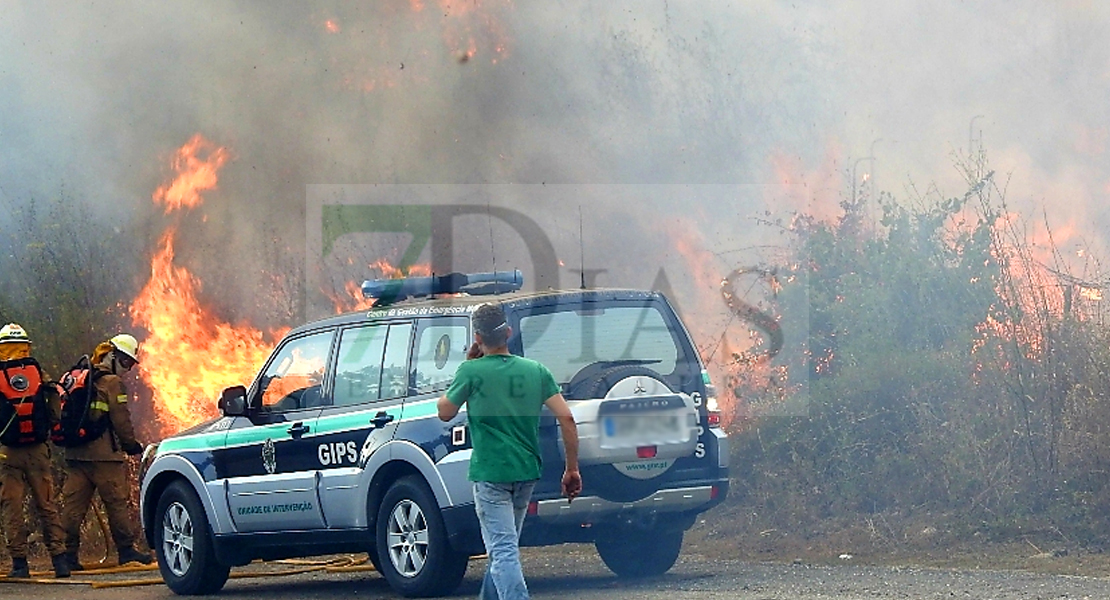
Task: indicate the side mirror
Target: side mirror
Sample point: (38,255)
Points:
(233,401)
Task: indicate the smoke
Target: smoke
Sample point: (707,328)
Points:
(97,98)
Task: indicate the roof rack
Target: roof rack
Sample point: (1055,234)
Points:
(388,291)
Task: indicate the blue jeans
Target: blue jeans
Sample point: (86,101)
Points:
(501,508)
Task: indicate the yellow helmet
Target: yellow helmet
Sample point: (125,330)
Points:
(126,344)
(13,333)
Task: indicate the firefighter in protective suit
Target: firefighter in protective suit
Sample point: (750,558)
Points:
(100,465)
(31,406)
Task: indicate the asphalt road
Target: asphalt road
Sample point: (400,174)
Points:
(576,572)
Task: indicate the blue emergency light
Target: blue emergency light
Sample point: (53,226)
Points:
(388,291)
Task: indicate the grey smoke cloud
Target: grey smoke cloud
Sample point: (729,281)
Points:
(97,97)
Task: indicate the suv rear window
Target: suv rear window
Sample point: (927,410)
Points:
(566,340)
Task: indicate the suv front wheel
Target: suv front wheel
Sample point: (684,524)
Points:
(639,553)
(186,557)
(413,551)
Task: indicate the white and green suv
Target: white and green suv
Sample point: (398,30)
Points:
(336,445)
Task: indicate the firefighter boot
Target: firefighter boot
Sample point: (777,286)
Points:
(61,566)
(19,569)
(129,554)
(72,563)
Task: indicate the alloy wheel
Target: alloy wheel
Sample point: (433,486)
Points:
(177,539)
(408,538)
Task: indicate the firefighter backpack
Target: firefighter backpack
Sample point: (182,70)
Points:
(24,411)
(75,428)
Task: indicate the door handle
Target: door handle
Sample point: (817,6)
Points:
(297,430)
(381,420)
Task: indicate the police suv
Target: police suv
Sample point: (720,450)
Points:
(337,447)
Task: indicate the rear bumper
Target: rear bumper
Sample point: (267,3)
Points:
(590,509)
(557,521)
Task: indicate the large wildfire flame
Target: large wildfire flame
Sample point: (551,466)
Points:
(189,354)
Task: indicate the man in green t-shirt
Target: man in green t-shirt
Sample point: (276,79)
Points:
(504,394)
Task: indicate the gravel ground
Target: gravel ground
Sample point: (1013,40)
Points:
(576,572)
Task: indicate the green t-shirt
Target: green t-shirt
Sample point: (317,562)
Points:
(504,395)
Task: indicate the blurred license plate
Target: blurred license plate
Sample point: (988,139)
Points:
(642,429)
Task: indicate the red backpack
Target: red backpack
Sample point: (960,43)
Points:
(78,390)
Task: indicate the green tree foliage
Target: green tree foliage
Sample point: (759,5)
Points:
(67,274)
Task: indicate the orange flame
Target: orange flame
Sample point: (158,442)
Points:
(189,356)
(388,271)
(352,299)
(194,174)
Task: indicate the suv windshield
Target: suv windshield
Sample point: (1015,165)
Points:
(570,338)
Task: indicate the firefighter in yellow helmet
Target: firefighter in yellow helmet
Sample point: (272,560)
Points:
(29,407)
(100,465)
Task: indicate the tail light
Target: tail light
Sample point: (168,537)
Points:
(533,508)
(646,452)
(712,408)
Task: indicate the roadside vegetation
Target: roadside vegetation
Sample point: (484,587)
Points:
(956,388)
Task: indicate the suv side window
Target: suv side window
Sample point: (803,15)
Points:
(441,346)
(358,372)
(373,364)
(294,378)
(395,365)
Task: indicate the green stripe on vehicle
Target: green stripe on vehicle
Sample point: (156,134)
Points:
(350,421)
(421,409)
(324,425)
(208,441)
(259,433)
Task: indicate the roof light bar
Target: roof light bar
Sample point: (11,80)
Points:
(388,291)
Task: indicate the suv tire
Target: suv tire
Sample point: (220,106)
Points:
(414,553)
(186,559)
(639,553)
